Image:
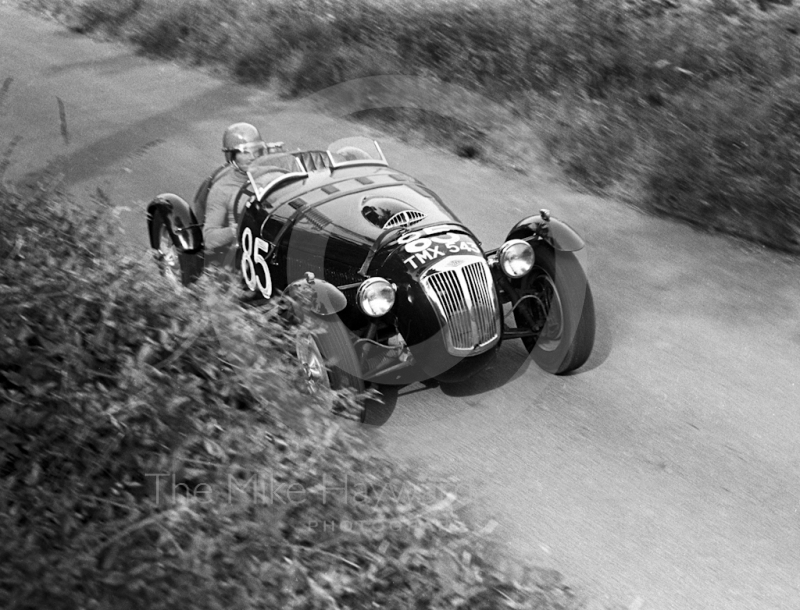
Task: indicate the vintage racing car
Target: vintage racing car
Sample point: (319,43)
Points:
(402,290)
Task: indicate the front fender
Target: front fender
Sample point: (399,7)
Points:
(186,232)
(553,231)
(316,295)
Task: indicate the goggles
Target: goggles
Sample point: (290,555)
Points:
(256,149)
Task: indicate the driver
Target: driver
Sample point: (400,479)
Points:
(242,145)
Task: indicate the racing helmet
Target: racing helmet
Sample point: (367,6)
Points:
(241,137)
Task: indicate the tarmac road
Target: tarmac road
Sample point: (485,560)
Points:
(663,475)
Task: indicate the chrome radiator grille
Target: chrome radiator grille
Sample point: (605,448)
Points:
(463,292)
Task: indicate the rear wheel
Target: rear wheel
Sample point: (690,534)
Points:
(178,268)
(557,297)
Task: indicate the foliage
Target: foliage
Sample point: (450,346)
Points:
(732,162)
(156,451)
(610,86)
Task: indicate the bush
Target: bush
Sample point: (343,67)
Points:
(727,158)
(105,16)
(628,72)
(156,451)
(198,32)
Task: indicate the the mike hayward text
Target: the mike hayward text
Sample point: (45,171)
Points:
(266,489)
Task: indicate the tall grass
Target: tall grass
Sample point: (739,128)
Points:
(628,96)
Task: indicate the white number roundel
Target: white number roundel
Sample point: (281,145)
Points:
(254,252)
(414,242)
(418,245)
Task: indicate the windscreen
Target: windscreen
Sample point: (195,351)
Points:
(357,150)
(268,169)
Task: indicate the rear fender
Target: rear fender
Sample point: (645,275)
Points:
(553,231)
(185,231)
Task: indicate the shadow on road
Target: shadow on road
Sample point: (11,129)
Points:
(511,362)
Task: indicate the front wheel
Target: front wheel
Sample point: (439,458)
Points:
(556,299)
(328,358)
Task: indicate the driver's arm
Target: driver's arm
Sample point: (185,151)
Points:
(219,230)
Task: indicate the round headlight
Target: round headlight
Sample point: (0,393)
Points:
(375,296)
(516,257)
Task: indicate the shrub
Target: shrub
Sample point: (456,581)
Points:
(200,32)
(727,158)
(106,16)
(621,68)
(156,452)
(593,142)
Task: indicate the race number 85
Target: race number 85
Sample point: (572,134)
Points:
(254,252)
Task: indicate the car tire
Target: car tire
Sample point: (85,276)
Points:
(178,268)
(328,357)
(567,338)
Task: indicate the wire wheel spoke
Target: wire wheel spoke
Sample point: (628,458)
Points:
(316,374)
(170,265)
(553,329)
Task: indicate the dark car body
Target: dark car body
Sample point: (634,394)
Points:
(335,224)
